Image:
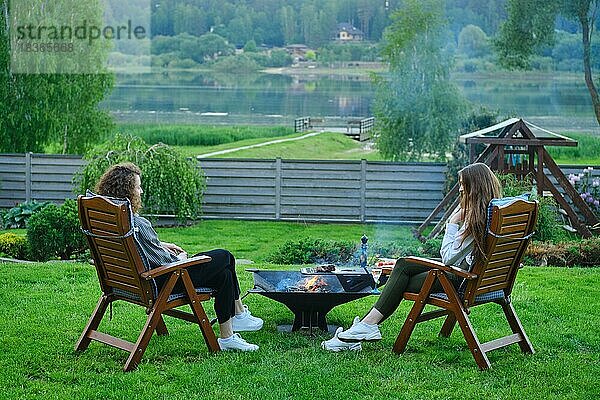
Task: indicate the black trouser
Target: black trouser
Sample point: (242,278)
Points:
(405,277)
(219,275)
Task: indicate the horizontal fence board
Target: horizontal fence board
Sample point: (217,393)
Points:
(268,189)
(332,192)
(249,200)
(407,176)
(410,186)
(240,182)
(240,173)
(322,202)
(52,185)
(224,190)
(9,186)
(374,166)
(209,164)
(317,183)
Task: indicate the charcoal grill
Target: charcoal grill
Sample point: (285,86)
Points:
(311,295)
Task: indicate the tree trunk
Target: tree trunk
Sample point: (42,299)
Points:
(587,67)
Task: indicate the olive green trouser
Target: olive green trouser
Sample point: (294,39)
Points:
(406,277)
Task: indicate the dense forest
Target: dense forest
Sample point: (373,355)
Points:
(311,22)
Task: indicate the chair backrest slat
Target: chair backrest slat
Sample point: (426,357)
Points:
(117,260)
(510,227)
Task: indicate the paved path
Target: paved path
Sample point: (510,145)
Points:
(216,153)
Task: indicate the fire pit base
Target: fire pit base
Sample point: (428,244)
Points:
(290,328)
(310,308)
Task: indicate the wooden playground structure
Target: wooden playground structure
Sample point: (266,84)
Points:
(518,147)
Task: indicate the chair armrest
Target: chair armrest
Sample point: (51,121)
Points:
(167,268)
(425,262)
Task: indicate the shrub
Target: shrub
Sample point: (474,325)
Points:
(17,216)
(309,251)
(172,184)
(585,253)
(54,232)
(13,245)
(548,227)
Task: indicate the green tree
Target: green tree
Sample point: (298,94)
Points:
(172,184)
(250,46)
(530,27)
(418,109)
(473,42)
(57,110)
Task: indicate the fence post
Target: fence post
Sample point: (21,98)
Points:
(28,176)
(363,189)
(278,188)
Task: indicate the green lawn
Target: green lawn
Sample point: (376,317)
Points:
(328,145)
(45,307)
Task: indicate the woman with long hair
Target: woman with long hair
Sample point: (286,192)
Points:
(463,243)
(124,181)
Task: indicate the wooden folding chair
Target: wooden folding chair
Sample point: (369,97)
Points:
(510,227)
(124,275)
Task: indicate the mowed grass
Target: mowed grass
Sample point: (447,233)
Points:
(46,305)
(587,153)
(325,146)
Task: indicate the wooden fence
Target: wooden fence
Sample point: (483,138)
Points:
(41,177)
(292,190)
(297,190)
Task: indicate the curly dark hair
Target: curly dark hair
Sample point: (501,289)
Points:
(119,181)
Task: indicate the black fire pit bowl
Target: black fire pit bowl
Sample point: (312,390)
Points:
(311,304)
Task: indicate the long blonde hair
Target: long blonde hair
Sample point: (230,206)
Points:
(119,181)
(480,185)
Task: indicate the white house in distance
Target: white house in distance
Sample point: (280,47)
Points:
(346,32)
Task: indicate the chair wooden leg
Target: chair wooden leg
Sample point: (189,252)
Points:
(517,327)
(448,326)
(140,346)
(465,324)
(161,327)
(415,311)
(198,310)
(472,341)
(93,323)
(154,316)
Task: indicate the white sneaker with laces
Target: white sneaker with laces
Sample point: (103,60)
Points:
(360,332)
(335,344)
(235,342)
(245,322)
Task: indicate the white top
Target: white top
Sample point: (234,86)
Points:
(454,249)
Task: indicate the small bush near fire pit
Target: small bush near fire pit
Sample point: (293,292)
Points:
(585,253)
(309,251)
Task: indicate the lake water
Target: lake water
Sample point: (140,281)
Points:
(554,102)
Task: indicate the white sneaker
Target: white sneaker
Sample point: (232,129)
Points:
(235,342)
(360,332)
(335,344)
(245,322)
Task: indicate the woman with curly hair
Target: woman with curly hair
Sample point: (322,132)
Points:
(463,242)
(124,181)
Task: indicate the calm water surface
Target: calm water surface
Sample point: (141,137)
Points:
(190,97)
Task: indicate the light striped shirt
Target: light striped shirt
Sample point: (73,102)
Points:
(150,245)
